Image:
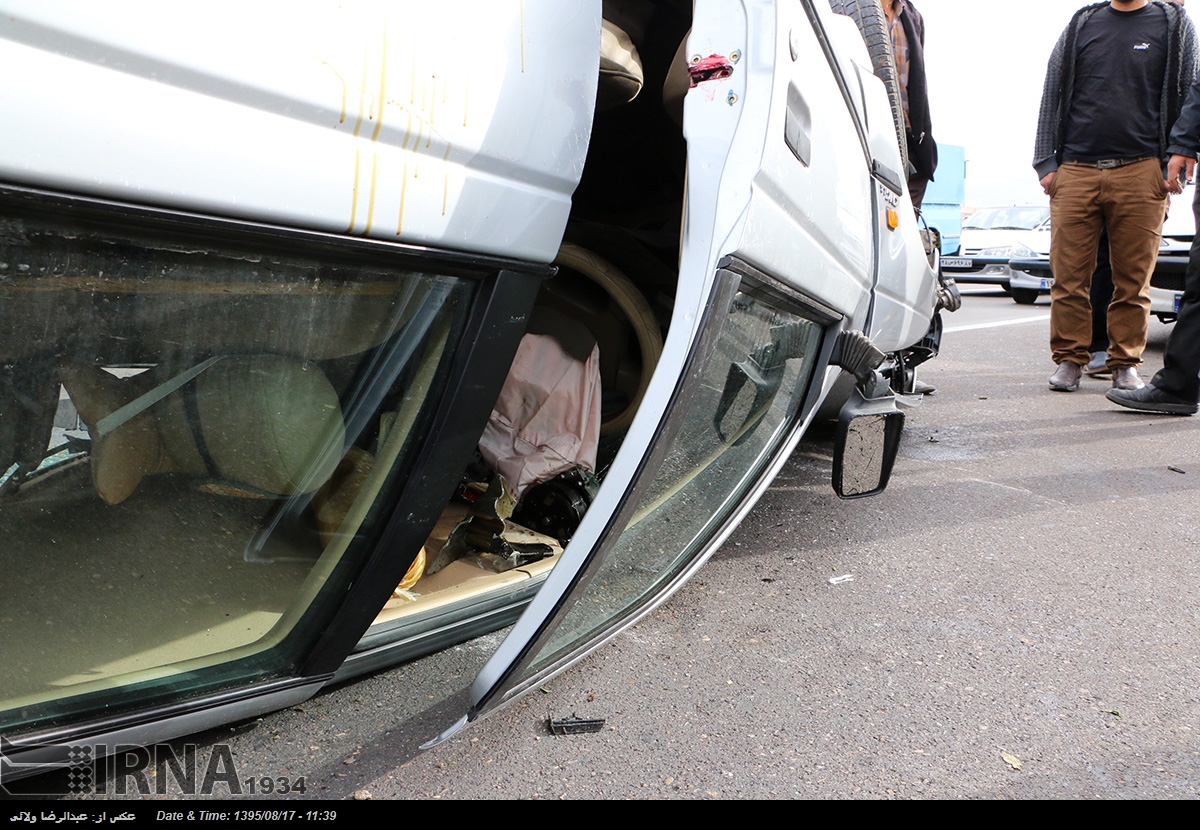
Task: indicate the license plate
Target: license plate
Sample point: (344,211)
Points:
(1046,284)
(955,262)
(1178,300)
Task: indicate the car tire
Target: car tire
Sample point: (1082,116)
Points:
(1024,296)
(872,23)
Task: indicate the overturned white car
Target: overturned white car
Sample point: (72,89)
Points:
(266,274)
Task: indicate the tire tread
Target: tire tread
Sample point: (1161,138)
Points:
(872,24)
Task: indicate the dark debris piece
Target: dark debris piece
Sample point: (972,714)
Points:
(574,725)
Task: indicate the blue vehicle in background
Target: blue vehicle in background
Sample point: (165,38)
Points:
(942,206)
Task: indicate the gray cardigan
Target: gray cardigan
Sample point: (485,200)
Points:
(1060,84)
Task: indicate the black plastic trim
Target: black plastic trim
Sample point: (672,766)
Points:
(425,635)
(495,326)
(164,722)
(887,177)
(1035,267)
(184,227)
(757,282)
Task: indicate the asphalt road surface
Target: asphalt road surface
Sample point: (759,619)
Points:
(1016,617)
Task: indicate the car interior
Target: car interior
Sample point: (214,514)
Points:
(197,427)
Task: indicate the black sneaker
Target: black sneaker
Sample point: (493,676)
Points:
(1152,399)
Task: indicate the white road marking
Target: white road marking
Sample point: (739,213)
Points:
(997,324)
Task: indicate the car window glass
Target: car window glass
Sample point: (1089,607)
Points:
(1010,218)
(744,405)
(197,438)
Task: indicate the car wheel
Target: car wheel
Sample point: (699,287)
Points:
(1025,296)
(872,23)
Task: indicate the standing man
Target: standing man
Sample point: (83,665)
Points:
(1175,390)
(908,47)
(1114,87)
(907,29)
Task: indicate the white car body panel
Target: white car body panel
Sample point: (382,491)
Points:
(417,131)
(904,290)
(810,225)
(1022,280)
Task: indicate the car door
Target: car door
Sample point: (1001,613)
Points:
(777,258)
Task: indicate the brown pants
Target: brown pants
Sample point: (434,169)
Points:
(1131,201)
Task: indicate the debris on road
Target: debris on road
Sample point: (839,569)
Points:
(574,725)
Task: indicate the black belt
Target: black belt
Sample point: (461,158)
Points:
(1107,164)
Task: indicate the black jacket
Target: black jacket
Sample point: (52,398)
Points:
(922,149)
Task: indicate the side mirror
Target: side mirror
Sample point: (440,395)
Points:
(868,439)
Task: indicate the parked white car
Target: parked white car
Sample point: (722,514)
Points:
(994,235)
(1167,281)
(1032,276)
(281,259)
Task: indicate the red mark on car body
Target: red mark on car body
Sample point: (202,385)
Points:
(712,68)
